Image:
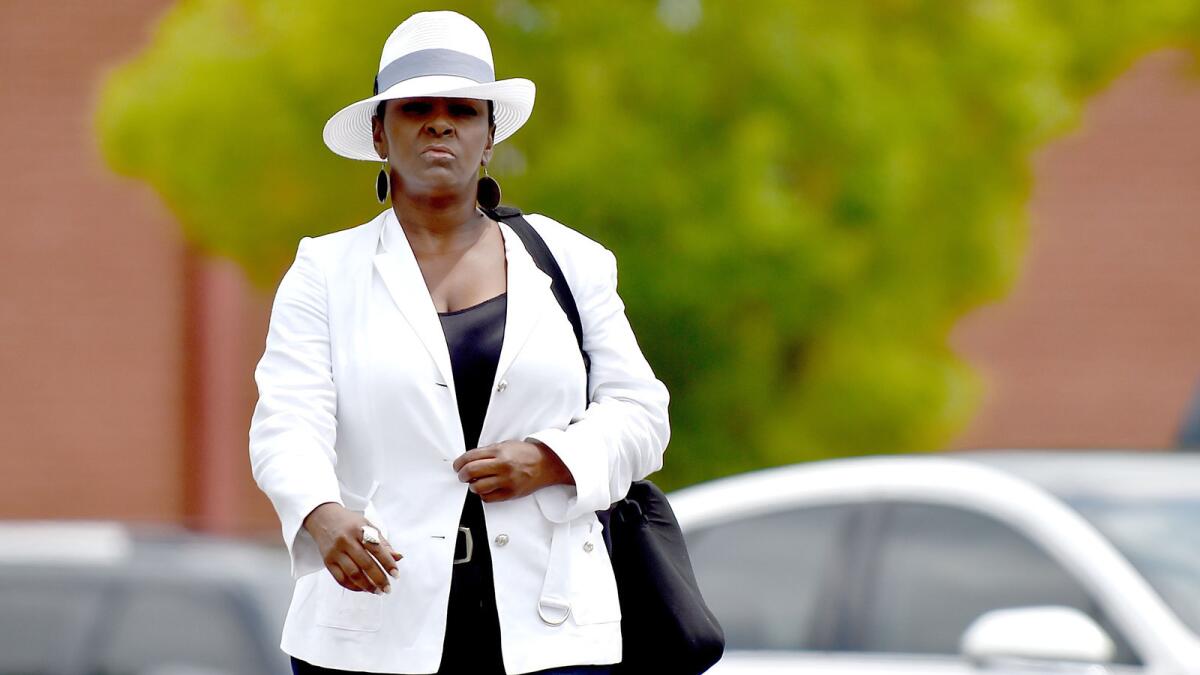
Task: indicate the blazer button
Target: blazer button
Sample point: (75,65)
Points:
(501,539)
(587,546)
(502,385)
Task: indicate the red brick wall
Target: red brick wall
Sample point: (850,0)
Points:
(127,360)
(90,271)
(1099,343)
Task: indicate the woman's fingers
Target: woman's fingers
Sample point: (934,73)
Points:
(498,495)
(480,468)
(363,567)
(376,577)
(353,563)
(510,469)
(493,489)
(486,452)
(353,576)
(484,486)
(338,575)
(385,556)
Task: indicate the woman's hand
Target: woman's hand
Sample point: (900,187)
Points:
(511,469)
(355,565)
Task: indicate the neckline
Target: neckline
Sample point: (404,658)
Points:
(477,306)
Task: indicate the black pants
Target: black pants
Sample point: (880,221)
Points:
(472,643)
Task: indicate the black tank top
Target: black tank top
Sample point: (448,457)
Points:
(474,336)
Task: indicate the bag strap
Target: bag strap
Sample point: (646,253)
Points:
(544,259)
(553,607)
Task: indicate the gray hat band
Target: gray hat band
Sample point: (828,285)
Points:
(433,62)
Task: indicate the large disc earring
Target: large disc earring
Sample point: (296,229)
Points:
(487,193)
(381,184)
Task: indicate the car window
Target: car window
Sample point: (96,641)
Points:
(764,576)
(939,568)
(42,620)
(1161,537)
(166,629)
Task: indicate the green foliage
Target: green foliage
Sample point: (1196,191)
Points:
(803,195)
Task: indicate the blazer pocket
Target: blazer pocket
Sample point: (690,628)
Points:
(340,607)
(424,577)
(408,610)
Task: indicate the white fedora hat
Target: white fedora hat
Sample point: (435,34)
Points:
(432,54)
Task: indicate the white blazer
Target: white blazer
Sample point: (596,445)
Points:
(357,406)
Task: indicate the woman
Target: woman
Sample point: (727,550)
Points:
(425,427)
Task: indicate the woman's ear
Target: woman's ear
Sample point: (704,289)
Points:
(487,148)
(378,137)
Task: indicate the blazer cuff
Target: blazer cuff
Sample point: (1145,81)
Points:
(306,556)
(297,483)
(588,464)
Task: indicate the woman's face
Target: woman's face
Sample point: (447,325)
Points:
(434,145)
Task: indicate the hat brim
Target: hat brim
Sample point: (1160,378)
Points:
(348,132)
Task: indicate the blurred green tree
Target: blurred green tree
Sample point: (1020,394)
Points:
(803,195)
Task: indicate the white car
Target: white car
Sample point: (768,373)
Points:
(1002,563)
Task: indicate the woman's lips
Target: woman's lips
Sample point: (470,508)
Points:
(437,151)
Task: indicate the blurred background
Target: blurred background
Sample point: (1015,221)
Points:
(842,228)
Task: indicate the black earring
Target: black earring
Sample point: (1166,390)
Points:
(487,193)
(381,184)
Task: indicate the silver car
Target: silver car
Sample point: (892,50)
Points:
(98,598)
(999,563)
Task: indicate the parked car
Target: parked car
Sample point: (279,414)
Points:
(100,598)
(1001,563)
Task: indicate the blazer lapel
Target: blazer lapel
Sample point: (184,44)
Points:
(402,276)
(528,295)
(528,291)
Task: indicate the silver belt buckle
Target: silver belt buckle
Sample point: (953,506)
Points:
(469,546)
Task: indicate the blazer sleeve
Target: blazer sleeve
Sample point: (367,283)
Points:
(623,433)
(294,426)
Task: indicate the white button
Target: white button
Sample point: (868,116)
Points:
(502,386)
(501,539)
(587,546)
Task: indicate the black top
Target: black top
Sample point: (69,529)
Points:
(472,642)
(474,336)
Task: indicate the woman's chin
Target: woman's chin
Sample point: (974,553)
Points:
(446,192)
(436,178)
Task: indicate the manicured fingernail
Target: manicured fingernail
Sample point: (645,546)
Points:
(395,573)
(387,589)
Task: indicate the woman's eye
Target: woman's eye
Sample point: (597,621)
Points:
(463,110)
(416,108)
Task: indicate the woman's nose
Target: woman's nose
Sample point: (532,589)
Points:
(439,126)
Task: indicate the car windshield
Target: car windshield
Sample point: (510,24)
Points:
(1146,504)
(1162,540)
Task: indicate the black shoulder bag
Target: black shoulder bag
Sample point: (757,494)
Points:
(665,625)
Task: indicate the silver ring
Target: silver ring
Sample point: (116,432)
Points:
(370,535)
